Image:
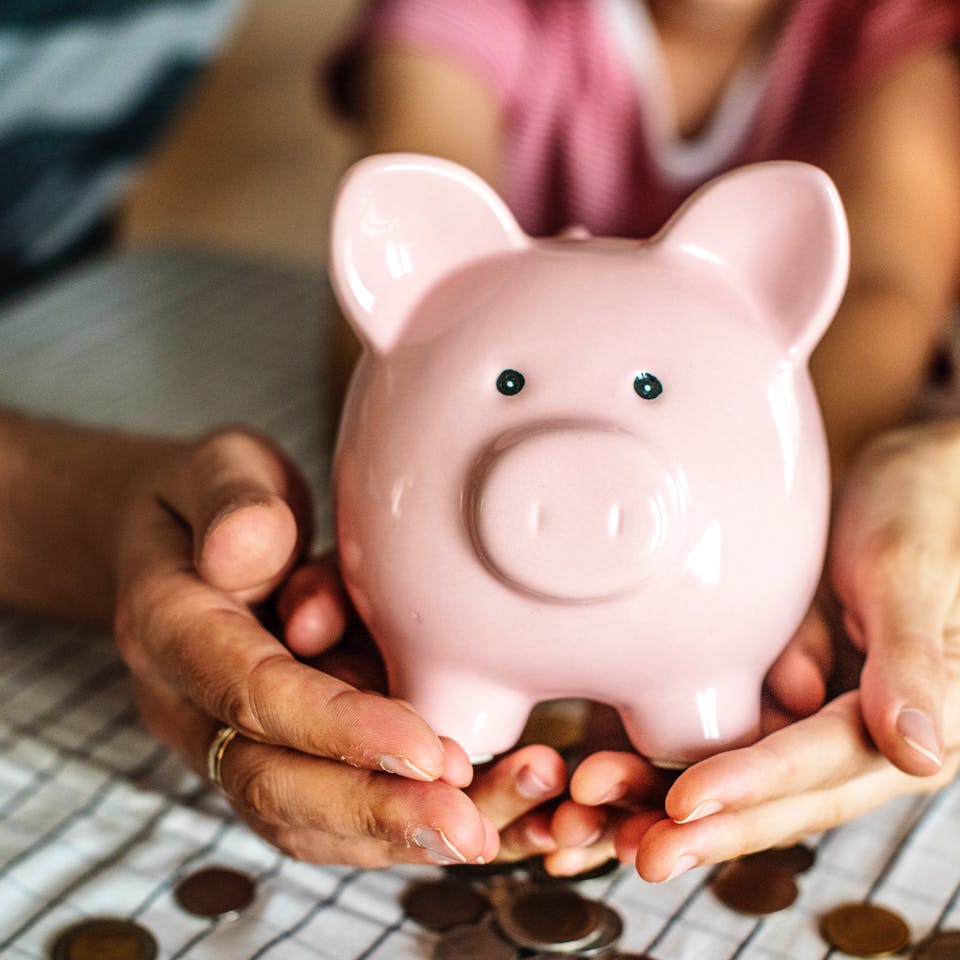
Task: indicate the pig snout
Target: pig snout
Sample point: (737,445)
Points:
(573,512)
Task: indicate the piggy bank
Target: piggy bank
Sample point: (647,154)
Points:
(581,466)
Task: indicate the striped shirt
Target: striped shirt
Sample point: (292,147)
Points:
(86,87)
(588,136)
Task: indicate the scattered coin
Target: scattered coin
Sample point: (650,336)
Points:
(442,904)
(215,892)
(865,930)
(105,939)
(943,945)
(798,858)
(481,871)
(609,931)
(535,868)
(755,887)
(474,941)
(552,918)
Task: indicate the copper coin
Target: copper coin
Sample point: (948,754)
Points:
(865,930)
(536,869)
(754,887)
(798,858)
(105,939)
(442,904)
(609,931)
(943,945)
(549,919)
(474,941)
(215,892)
(480,871)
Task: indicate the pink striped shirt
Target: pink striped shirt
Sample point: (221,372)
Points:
(587,137)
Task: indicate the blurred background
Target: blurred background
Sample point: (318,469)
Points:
(250,162)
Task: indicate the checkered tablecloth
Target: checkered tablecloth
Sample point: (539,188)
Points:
(96,819)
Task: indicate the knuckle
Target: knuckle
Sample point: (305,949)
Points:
(257,788)
(249,700)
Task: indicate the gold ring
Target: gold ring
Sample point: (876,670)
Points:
(216,750)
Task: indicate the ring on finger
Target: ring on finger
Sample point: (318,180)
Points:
(216,750)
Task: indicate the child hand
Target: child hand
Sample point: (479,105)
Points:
(895,566)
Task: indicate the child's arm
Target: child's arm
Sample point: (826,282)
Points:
(897,165)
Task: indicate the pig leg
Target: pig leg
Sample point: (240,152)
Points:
(677,727)
(485,717)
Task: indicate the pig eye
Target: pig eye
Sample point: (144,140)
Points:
(510,382)
(647,386)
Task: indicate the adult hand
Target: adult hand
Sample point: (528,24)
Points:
(510,793)
(320,769)
(895,567)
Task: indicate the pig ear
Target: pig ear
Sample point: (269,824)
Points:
(400,223)
(779,230)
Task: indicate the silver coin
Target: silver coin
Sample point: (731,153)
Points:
(215,892)
(442,904)
(474,941)
(105,938)
(549,919)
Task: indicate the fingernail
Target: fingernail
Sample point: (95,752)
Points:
(683,864)
(531,785)
(617,792)
(540,837)
(592,838)
(402,767)
(918,731)
(436,843)
(704,809)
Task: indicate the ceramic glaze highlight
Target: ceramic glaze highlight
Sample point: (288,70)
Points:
(583,467)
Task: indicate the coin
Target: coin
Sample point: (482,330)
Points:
(536,869)
(474,941)
(105,939)
(943,945)
(442,904)
(480,871)
(797,859)
(553,918)
(215,892)
(865,930)
(609,931)
(754,887)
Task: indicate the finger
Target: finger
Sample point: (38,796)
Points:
(287,788)
(612,777)
(518,783)
(819,752)
(313,608)
(314,846)
(457,768)
(576,825)
(223,661)
(894,570)
(214,653)
(798,678)
(247,507)
(902,682)
(668,848)
(528,836)
(585,838)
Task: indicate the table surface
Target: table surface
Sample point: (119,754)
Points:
(96,819)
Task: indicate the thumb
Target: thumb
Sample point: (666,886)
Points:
(895,599)
(247,508)
(902,684)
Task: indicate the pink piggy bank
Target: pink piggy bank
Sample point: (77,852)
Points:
(583,467)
